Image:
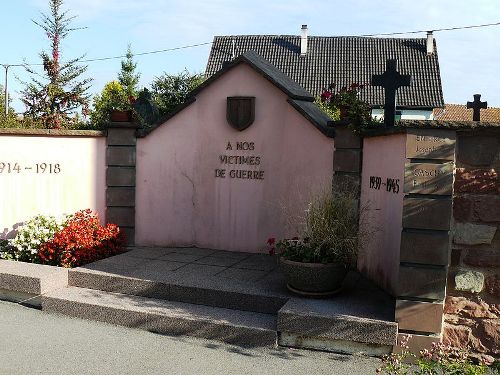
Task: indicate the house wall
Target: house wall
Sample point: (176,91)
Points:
(182,198)
(472,308)
(51,173)
(406,114)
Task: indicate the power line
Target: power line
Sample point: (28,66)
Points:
(207,43)
(149,52)
(434,30)
(121,56)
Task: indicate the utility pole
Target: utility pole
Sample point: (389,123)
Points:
(6,90)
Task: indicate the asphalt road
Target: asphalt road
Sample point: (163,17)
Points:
(34,342)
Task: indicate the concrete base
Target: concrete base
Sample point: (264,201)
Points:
(27,299)
(331,345)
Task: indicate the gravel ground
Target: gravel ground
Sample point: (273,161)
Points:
(34,342)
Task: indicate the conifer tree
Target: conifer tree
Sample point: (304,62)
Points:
(54,95)
(128,77)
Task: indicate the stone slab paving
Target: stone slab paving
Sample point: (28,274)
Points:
(252,282)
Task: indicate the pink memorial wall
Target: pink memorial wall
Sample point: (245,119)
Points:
(382,185)
(201,182)
(49,175)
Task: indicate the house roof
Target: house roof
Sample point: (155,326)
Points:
(459,112)
(266,69)
(342,61)
(298,97)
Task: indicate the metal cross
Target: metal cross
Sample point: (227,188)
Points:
(476,105)
(390,80)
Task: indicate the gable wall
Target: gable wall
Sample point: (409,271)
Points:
(181,202)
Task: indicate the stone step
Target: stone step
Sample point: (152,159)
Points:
(196,290)
(24,282)
(348,326)
(242,328)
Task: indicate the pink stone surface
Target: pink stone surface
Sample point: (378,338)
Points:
(180,202)
(383,157)
(80,182)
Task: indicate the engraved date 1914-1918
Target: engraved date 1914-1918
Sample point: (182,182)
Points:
(48,168)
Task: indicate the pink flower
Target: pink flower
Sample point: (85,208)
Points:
(271,241)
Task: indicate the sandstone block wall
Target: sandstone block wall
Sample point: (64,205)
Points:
(472,307)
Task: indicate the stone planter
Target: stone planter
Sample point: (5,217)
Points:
(313,279)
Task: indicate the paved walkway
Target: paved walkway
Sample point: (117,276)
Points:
(33,342)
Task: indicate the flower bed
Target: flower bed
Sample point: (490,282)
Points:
(71,241)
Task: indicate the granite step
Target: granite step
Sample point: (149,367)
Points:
(208,291)
(23,283)
(348,326)
(235,327)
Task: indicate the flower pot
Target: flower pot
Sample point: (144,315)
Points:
(313,279)
(344,112)
(121,116)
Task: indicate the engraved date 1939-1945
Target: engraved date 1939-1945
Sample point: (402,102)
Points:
(49,168)
(391,184)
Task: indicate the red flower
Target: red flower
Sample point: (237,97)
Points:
(295,238)
(271,241)
(82,240)
(272,251)
(325,95)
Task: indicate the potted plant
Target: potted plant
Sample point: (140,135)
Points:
(346,105)
(112,104)
(316,262)
(122,109)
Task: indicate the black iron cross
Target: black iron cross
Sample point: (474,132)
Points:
(476,105)
(390,80)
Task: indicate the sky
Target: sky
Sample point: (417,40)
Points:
(469,59)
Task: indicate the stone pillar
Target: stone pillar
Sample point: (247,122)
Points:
(347,160)
(120,177)
(425,237)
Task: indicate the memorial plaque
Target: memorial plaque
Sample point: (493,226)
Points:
(428,178)
(423,213)
(425,247)
(430,144)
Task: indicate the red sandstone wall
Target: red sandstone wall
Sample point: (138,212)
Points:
(472,308)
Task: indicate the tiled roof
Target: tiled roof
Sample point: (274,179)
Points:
(342,61)
(268,70)
(458,112)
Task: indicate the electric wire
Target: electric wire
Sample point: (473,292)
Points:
(433,30)
(207,43)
